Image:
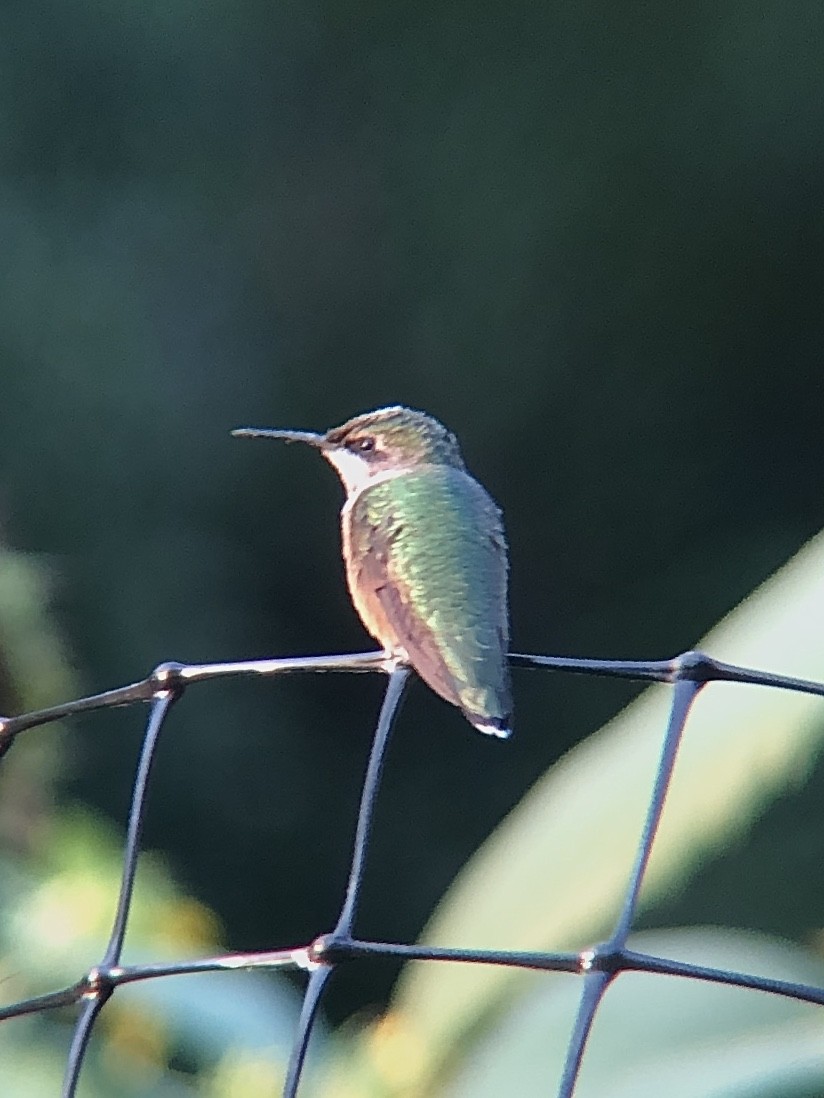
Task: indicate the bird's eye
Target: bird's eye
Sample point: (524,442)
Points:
(363,445)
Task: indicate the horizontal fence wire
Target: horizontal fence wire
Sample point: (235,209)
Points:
(598,966)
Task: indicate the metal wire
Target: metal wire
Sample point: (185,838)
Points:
(598,965)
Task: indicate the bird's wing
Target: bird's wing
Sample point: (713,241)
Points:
(431,561)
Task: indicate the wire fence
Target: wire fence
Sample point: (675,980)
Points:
(598,966)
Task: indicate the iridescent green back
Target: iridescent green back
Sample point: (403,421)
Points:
(430,545)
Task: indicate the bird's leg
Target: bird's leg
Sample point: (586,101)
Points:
(393,658)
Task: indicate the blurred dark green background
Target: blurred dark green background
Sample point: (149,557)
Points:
(588,237)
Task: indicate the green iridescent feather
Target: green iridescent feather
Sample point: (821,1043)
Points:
(429,546)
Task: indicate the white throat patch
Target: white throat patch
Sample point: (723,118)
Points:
(353,470)
(358,474)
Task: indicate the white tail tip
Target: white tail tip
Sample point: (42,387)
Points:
(500,732)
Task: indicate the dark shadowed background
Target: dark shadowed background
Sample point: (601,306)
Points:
(587,237)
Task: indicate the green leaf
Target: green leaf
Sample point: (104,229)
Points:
(553,874)
(655,1035)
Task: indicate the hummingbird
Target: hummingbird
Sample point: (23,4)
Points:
(425,555)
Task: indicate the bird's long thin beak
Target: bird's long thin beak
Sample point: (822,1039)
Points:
(309,437)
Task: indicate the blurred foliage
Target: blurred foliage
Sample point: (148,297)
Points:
(181,1036)
(554,874)
(60,871)
(588,237)
(656,1036)
(652,1035)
